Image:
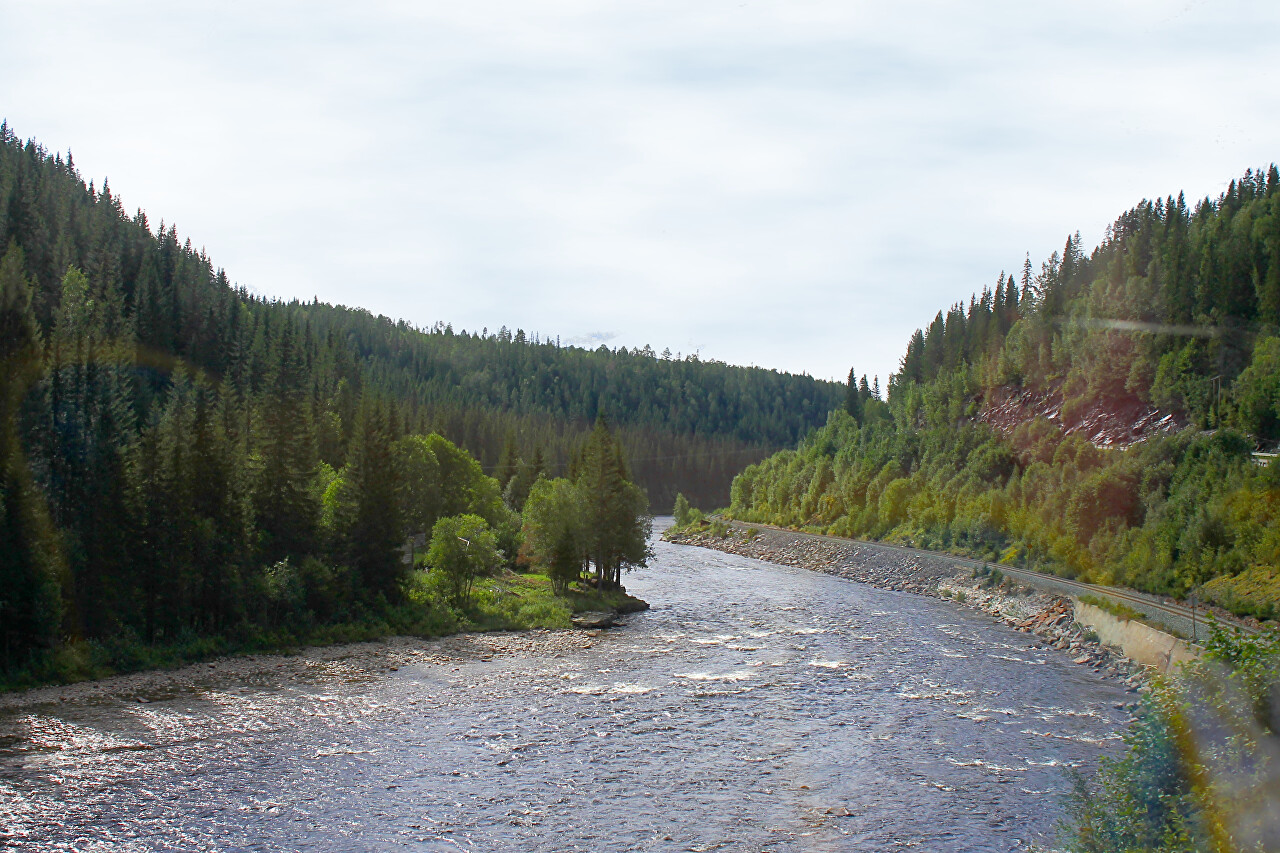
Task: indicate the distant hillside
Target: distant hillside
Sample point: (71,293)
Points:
(1095,417)
(687,424)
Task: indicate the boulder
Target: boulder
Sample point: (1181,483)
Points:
(595,619)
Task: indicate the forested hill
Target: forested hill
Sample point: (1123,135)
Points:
(687,424)
(1097,417)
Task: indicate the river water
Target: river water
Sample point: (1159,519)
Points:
(754,708)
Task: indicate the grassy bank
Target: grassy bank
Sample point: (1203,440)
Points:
(508,602)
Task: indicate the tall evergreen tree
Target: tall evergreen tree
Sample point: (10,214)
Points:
(375,534)
(30,562)
(852,399)
(617,513)
(285,498)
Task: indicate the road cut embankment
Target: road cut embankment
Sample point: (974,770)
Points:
(1125,650)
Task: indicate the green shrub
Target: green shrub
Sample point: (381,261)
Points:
(1117,609)
(544,614)
(1253,592)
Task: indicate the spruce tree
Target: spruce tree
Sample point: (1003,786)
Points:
(852,399)
(287,505)
(507,466)
(912,368)
(375,535)
(616,511)
(31,564)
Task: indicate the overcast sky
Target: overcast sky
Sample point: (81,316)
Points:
(790,184)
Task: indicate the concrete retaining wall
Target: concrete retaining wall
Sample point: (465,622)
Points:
(1139,642)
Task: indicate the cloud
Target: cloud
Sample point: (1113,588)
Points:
(591,339)
(793,184)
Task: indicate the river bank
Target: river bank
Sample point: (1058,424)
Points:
(507,602)
(342,662)
(1048,617)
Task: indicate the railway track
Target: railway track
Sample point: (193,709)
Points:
(1187,621)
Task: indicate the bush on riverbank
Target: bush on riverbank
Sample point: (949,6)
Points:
(1203,751)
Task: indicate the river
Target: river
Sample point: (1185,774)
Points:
(754,708)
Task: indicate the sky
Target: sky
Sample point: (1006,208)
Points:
(797,185)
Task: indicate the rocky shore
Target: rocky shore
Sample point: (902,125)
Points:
(1049,618)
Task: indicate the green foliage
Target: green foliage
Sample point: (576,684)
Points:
(525,473)
(1254,592)
(463,548)
(1140,802)
(375,530)
(598,518)
(419,484)
(682,511)
(686,515)
(1118,609)
(1257,391)
(555,535)
(616,516)
(1201,756)
(31,566)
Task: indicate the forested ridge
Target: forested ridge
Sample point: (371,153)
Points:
(1095,417)
(181,459)
(687,424)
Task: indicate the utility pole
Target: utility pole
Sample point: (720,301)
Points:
(1192,598)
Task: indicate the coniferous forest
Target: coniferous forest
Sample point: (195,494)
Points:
(182,459)
(1101,416)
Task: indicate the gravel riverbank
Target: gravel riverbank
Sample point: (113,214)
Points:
(1048,617)
(346,662)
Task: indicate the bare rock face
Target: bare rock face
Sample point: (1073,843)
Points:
(1106,422)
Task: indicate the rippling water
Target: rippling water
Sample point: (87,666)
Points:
(753,708)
